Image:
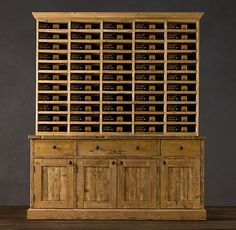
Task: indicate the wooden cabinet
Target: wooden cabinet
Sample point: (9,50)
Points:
(111,183)
(53,183)
(137,187)
(117,117)
(89,177)
(180,183)
(96,183)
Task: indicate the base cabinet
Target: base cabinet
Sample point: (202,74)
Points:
(63,178)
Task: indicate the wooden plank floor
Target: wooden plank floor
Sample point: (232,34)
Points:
(219,218)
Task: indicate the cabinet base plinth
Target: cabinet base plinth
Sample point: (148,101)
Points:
(118,214)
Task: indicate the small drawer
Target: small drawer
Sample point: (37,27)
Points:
(139,148)
(98,147)
(53,148)
(180,148)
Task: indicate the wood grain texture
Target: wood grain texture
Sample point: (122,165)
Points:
(112,137)
(136,183)
(180,183)
(95,184)
(218,217)
(117,15)
(117,214)
(53,148)
(49,23)
(53,183)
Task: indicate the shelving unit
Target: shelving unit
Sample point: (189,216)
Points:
(117,98)
(115,75)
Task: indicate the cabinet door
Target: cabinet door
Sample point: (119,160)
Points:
(53,183)
(180,183)
(96,183)
(137,183)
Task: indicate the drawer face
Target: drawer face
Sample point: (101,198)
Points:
(118,147)
(53,148)
(139,147)
(180,148)
(98,147)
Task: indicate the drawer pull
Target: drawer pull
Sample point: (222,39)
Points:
(97,147)
(54,147)
(181,147)
(137,147)
(113,162)
(164,162)
(121,162)
(70,162)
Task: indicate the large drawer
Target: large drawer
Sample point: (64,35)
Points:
(98,147)
(118,147)
(180,148)
(139,147)
(53,147)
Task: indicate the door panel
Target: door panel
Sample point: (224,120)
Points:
(180,183)
(96,184)
(53,183)
(136,183)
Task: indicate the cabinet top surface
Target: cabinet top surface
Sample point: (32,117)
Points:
(97,15)
(101,137)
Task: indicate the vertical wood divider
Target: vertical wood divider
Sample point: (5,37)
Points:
(68,76)
(37,76)
(133,76)
(197,76)
(165,78)
(101,75)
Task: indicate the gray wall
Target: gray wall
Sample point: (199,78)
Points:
(218,83)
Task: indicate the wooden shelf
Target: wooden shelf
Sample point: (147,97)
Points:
(132,52)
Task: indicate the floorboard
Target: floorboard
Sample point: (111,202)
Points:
(219,218)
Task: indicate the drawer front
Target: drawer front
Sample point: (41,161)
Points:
(118,147)
(180,148)
(139,148)
(54,148)
(98,147)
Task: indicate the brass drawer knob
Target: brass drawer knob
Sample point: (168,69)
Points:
(113,162)
(164,162)
(137,147)
(54,147)
(97,147)
(121,162)
(70,162)
(181,147)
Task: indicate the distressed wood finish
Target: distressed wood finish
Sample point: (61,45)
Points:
(108,178)
(180,183)
(180,148)
(96,183)
(117,117)
(137,186)
(117,214)
(53,183)
(54,148)
(147,64)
